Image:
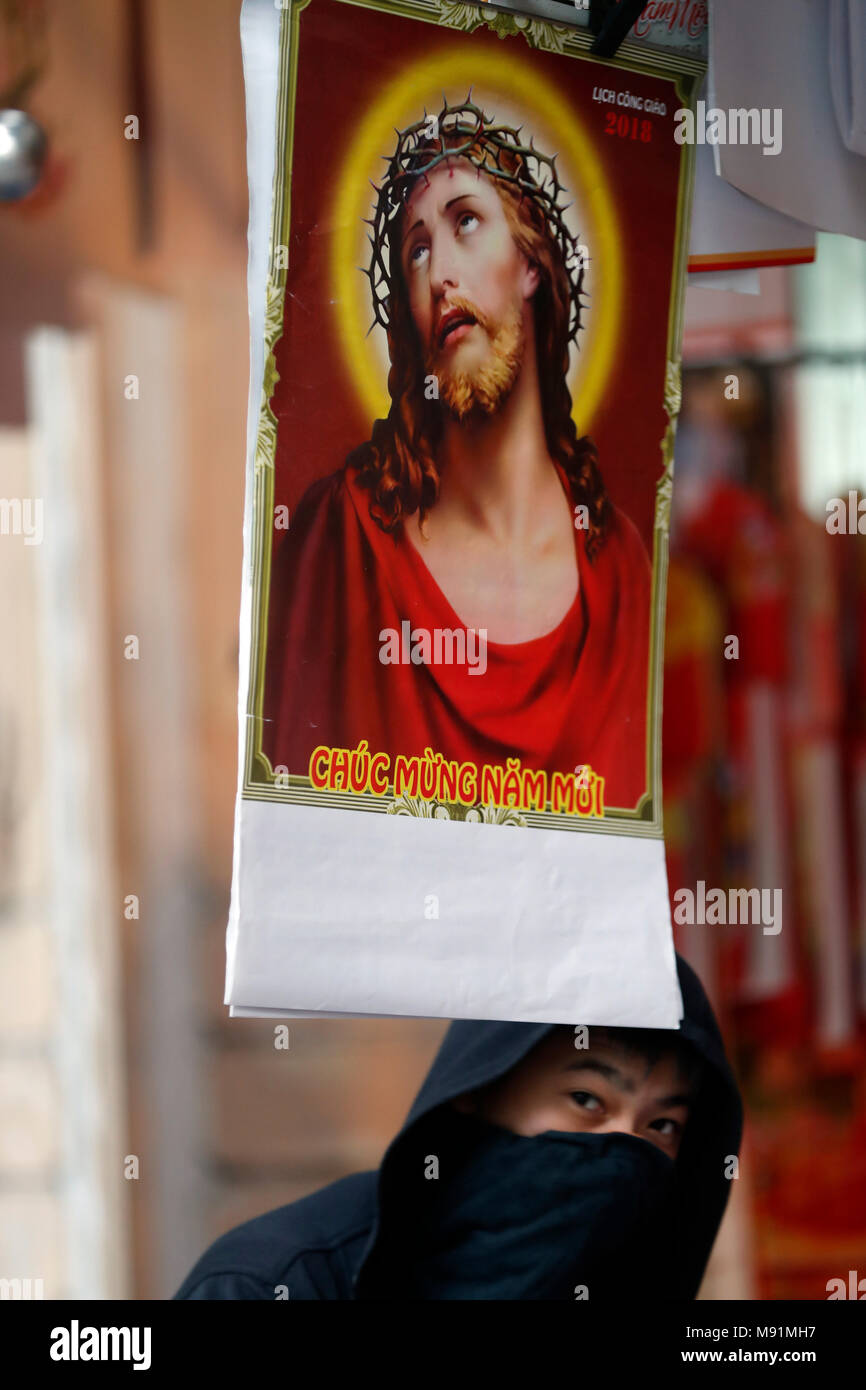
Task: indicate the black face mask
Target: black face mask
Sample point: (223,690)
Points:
(558,1216)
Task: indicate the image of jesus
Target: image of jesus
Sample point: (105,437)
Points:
(474,510)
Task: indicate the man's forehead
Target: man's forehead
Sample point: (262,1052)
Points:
(604,1046)
(454,175)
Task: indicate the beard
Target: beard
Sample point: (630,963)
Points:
(483,388)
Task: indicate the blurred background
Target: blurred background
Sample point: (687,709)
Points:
(137,1121)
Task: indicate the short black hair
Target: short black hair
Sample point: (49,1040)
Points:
(651,1044)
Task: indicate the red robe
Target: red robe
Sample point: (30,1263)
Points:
(574,696)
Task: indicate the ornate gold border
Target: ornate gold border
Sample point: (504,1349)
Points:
(685,73)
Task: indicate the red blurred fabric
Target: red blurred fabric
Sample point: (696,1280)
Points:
(742,546)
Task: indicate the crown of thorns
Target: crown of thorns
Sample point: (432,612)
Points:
(463,131)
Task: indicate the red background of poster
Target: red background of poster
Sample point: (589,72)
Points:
(347,54)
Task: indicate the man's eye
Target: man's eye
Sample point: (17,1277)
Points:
(669,1128)
(467,222)
(586,1100)
(417,254)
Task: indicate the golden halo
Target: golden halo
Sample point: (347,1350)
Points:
(510,91)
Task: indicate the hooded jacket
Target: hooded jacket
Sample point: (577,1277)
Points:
(556,1216)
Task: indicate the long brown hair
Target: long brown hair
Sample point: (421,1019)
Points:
(398,463)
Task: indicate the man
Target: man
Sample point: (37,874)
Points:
(528,1168)
(474,511)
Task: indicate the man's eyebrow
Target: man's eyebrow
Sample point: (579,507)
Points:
(450,203)
(681,1098)
(605,1069)
(624,1083)
(419,223)
(458,198)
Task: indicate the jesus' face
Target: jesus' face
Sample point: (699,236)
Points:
(469,286)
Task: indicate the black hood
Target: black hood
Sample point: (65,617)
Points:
(623,1175)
